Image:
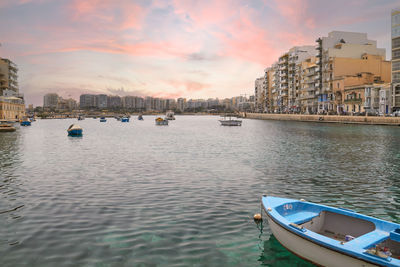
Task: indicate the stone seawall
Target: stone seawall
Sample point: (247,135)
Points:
(325,118)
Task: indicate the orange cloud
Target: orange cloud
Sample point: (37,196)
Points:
(190,86)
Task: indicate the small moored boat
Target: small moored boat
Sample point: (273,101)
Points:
(125,119)
(103,119)
(227,121)
(81,118)
(75,130)
(26,123)
(161,121)
(7,128)
(170,115)
(140,117)
(331,236)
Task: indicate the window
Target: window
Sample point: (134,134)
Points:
(396,77)
(396,54)
(396,43)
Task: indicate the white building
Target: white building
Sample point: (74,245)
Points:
(50,100)
(385,100)
(396,58)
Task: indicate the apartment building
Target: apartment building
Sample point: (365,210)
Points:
(396,58)
(343,45)
(309,85)
(50,100)
(8,76)
(87,101)
(259,94)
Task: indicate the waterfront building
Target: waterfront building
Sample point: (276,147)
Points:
(274,98)
(360,93)
(128,102)
(11,108)
(101,101)
(8,76)
(114,102)
(345,46)
(50,100)
(396,58)
(385,99)
(259,94)
(181,104)
(296,55)
(309,84)
(148,103)
(87,101)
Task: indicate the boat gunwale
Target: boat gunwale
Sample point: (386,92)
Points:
(361,256)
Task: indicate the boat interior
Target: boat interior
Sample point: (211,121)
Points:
(338,226)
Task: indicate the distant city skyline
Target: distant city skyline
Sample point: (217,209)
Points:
(168,49)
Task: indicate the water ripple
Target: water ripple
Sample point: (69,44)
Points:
(139,195)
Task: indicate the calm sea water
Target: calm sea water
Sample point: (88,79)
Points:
(136,194)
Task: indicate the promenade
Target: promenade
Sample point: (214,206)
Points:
(326,118)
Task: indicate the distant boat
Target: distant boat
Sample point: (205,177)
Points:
(229,122)
(103,119)
(26,122)
(75,130)
(124,119)
(140,117)
(329,236)
(170,115)
(7,128)
(81,118)
(161,121)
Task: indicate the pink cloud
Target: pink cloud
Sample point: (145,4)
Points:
(190,86)
(121,15)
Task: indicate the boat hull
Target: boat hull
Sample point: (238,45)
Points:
(7,129)
(231,123)
(165,122)
(103,120)
(75,132)
(311,251)
(26,123)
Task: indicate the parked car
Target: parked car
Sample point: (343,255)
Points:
(396,113)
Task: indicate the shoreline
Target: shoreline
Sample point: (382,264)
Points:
(368,120)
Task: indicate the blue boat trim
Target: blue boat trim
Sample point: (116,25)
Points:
(356,248)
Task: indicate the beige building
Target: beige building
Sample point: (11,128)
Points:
(334,57)
(8,76)
(360,93)
(11,108)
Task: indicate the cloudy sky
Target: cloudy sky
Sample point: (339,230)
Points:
(171,48)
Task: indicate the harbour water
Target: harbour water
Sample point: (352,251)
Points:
(136,194)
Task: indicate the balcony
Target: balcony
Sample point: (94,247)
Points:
(353,101)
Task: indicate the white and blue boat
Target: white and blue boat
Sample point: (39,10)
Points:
(103,119)
(331,236)
(26,123)
(75,130)
(125,119)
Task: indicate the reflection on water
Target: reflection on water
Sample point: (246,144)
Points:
(131,194)
(274,254)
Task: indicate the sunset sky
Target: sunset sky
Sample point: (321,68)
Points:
(176,48)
